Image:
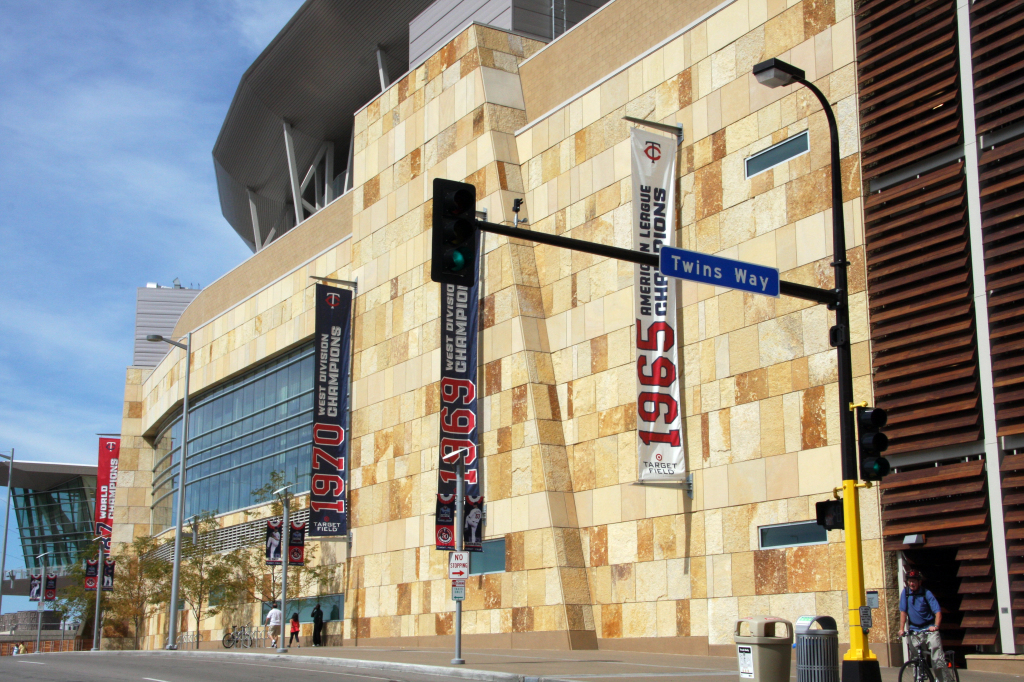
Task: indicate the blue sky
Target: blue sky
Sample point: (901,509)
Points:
(108,116)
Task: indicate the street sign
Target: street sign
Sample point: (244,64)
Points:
(458,565)
(722,272)
(458,590)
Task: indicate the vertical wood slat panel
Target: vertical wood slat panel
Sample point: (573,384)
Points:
(948,503)
(997,44)
(925,357)
(910,101)
(920,305)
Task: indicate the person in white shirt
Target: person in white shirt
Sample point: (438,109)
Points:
(274,621)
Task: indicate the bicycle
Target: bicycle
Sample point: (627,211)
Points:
(240,637)
(921,662)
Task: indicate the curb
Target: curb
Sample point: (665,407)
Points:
(450,672)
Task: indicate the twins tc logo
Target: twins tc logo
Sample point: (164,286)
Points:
(333,300)
(652,151)
(110,446)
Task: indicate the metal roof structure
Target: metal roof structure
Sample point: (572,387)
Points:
(319,70)
(43,475)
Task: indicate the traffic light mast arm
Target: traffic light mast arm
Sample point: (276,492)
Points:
(807,293)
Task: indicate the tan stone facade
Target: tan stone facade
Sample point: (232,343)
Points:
(592,558)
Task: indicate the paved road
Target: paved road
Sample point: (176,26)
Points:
(87,667)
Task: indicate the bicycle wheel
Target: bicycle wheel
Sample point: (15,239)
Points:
(247,642)
(229,640)
(953,676)
(915,674)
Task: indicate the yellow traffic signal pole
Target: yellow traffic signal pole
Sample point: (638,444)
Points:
(859,650)
(859,663)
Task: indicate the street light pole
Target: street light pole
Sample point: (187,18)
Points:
(7,522)
(859,663)
(99,589)
(172,628)
(42,600)
(285,537)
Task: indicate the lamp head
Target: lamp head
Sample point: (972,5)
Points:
(154,337)
(776,73)
(281,490)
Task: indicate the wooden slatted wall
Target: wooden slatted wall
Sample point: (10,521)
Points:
(997,41)
(918,254)
(1012,471)
(948,504)
(909,82)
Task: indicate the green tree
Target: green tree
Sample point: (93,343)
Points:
(140,586)
(205,571)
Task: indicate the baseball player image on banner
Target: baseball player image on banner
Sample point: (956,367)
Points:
(35,587)
(473,526)
(50,593)
(92,572)
(327,512)
(108,575)
(659,409)
(297,544)
(458,418)
(274,542)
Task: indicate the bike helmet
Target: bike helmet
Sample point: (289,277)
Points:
(913,574)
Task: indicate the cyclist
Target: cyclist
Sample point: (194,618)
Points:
(920,607)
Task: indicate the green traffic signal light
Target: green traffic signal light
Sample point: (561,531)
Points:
(454,260)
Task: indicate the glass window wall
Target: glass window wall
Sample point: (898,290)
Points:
(58,521)
(239,433)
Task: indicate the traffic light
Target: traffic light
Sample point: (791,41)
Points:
(829,514)
(872,443)
(455,239)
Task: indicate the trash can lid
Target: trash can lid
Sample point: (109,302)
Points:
(804,623)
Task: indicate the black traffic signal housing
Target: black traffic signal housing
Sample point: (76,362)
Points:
(871,443)
(455,240)
(829,514)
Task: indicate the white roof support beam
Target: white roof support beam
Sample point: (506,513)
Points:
(329,172)
(351,158)
(257,240)
(293,172)
(382,69)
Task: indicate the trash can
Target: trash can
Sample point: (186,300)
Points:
(765,651)
(817,650)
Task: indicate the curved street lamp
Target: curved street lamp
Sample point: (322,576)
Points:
(859,663)
(172,620)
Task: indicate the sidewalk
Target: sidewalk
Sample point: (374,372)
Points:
(508,665)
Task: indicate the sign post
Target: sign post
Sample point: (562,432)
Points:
(460,512)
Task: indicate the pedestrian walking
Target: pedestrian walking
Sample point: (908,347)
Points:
(274,621)
(294,630)
(318,625)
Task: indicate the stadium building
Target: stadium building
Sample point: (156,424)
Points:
(324,168)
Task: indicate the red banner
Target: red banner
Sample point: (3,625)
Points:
(106,487)
(50,593)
